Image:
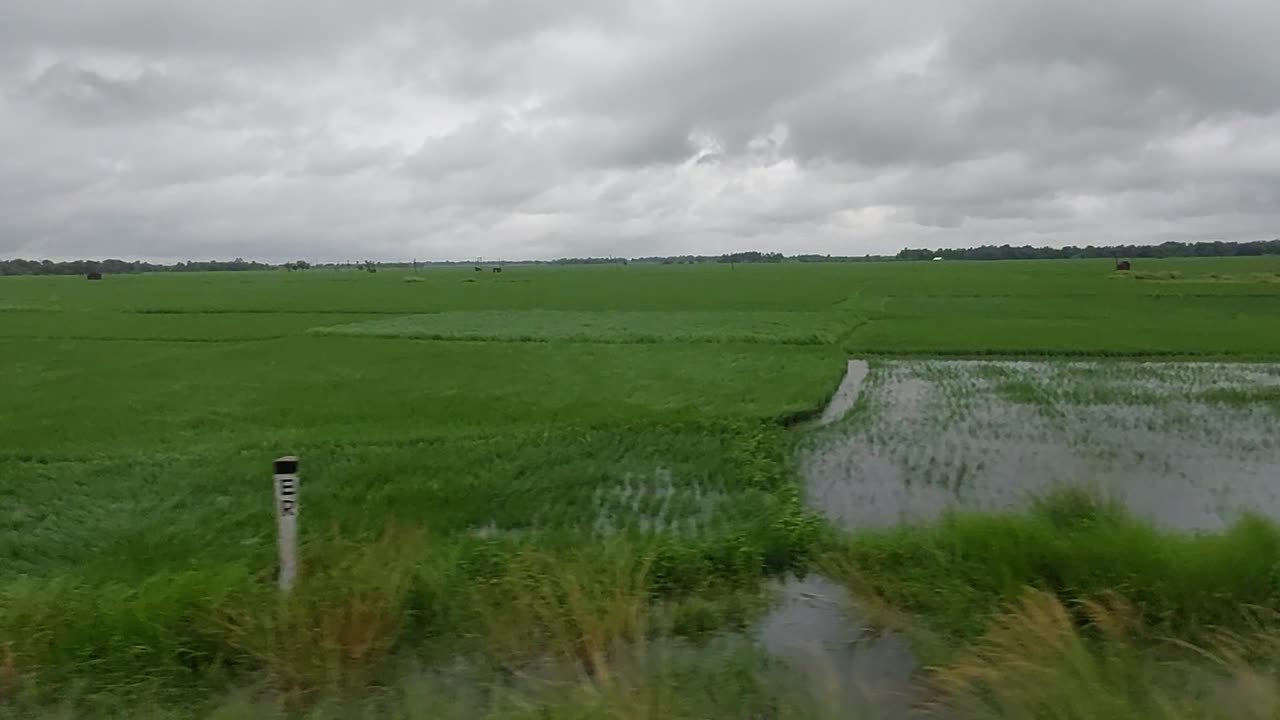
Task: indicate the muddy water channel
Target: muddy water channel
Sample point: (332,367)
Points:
(1187,445)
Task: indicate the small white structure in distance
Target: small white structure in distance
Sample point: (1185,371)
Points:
(937,259)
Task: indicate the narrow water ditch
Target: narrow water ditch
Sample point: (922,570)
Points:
(844,661)
(847,394)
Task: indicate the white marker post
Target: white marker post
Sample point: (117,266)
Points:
(286,482)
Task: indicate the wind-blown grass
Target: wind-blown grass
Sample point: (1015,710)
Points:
(726,678)
(1041,657)
(360,610)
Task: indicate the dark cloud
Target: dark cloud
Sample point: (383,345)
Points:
(91,98)
(458,128)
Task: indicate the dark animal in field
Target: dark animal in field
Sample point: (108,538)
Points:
(497,269)
(94,276)
(478,269)
(1122,265)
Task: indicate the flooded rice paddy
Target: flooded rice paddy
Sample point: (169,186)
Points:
(1187,445)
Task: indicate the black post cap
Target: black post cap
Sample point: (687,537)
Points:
(286,465)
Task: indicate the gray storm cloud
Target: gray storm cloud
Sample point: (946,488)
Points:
(334,130)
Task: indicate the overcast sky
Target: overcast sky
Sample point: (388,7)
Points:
(451,129)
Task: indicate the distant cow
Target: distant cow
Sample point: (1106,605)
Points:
(1122,265)
(478,268)
(94,276)
(497,269)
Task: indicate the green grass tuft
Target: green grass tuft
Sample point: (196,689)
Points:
(958,572)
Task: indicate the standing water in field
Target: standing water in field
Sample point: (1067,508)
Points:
(843,661)
(1187,445)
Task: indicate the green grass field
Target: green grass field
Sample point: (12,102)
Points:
(501,467)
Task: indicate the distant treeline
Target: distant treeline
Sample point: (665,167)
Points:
(1163,250)
(753,256)
(986,252)
(19,266)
